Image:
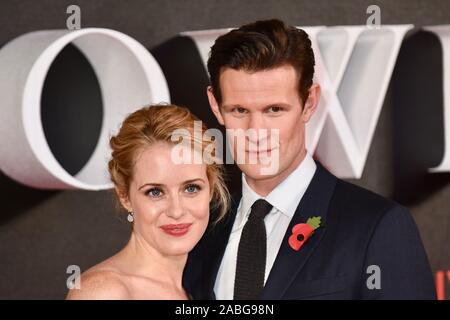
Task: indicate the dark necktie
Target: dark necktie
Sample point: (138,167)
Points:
(251,257)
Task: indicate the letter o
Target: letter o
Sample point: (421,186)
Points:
(128,75)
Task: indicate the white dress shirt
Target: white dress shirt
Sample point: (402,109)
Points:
(284,198)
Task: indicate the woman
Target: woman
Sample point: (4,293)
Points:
(167,203)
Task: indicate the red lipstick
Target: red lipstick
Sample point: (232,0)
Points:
(176,230)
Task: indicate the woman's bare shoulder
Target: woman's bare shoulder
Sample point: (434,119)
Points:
(100,283)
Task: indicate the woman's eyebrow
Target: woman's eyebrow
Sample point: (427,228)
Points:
(193,180)
(151,184)
(162,185)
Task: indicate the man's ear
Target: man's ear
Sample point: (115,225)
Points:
(311,103)
(124,200)
(214,105)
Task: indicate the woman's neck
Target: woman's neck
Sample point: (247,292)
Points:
(148,262)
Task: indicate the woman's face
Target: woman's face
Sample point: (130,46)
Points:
(170,201)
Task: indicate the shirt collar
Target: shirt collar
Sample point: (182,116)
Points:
(285,197)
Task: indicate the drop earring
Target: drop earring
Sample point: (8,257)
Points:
(130,216)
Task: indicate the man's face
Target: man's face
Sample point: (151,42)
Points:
(268,100)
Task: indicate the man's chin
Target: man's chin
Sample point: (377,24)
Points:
(258,172)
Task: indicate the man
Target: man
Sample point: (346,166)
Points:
(297,232)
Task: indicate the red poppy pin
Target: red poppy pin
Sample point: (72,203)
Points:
(302,231)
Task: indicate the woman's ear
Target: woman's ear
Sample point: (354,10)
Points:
(311,103)
(124,200)
(214,105)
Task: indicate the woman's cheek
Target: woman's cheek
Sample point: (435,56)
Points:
(201,215)
(151,210)
(199,206)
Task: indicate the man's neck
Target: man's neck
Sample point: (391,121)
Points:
(264,186)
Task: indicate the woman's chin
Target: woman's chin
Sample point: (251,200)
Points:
(180,246)
(177,250)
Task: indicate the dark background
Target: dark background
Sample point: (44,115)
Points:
(42,232)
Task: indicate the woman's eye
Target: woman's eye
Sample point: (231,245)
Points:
(154,192)
(192,188)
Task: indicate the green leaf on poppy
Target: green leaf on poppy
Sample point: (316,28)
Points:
(314,222)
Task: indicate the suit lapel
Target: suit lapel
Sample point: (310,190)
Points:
(289,262)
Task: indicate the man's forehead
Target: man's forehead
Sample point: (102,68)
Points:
(262,88)
(279,71)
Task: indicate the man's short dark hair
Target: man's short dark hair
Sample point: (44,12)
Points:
(263,45)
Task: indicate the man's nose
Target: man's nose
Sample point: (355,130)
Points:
(258,130)
(256,121)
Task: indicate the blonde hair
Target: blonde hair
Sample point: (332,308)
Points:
(157,123)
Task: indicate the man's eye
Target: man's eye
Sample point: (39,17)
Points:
(154,192)
(274,109)
(192,188)
(239,110)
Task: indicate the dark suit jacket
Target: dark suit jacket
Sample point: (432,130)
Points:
(358,229)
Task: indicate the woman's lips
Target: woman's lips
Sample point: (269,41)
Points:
(176,230)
